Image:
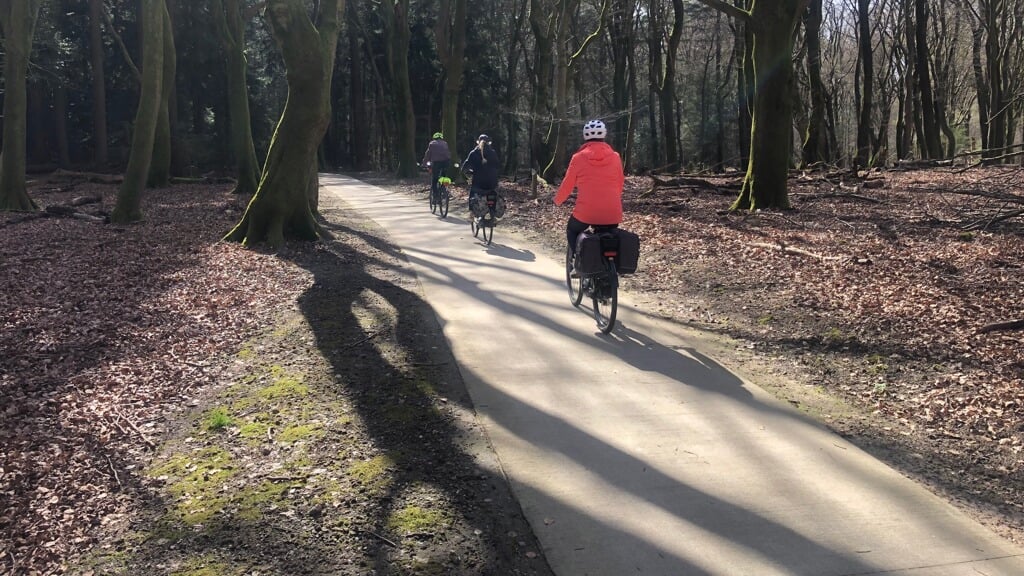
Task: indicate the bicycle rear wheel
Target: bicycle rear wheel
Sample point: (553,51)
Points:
(433,202)
(488,230)
(575,285)
(606,299)
(446,196)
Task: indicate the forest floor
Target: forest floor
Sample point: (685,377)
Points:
(176,405)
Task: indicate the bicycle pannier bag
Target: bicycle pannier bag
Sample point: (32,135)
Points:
(478,205)
(629,252)
(500,206)
(589,256)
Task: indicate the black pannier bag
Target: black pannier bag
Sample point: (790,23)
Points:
(629,252)
(488,202)
(589,255)
(478,205)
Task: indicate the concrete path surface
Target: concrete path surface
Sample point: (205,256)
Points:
(635,453)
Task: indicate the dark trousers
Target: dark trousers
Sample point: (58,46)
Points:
(574,228)
(437,169)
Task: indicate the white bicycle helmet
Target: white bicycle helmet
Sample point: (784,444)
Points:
(594,130)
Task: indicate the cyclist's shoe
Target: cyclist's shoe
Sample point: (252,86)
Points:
(573,273)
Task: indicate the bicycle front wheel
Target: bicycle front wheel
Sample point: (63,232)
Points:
(446,196)
(574,284)
(606,299)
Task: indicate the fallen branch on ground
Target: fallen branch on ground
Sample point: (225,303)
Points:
(986,222)
(781,246)
(1000,326)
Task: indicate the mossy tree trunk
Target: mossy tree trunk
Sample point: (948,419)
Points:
(280,209)
(154,14)
(541,24)
(160,166)
(231,26)
(773,24)
(566,10)
(17,20)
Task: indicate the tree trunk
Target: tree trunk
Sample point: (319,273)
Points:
(667,89)
(866,85)
(280,209)
(765,185)
(231,26)
(933,146)
(543,75)
(620,34)
(18,20)
(99,87)
(451,48)
(995,129)
(360,145)
(395,18)
(772,25)
(60,113)
(745,88)
(980,82)
(655,66)
(160,166)
(128,208)
(721,85)
(815,140)
(563,34)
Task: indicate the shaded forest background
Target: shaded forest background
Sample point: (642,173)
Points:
(874,83)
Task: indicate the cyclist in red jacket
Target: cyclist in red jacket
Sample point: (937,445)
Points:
(595,171)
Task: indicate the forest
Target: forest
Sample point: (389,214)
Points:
(684,85)
(835,185)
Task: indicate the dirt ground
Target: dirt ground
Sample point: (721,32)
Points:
(175,405)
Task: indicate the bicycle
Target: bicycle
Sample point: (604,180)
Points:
(485,222)
(602,285)
(439,201)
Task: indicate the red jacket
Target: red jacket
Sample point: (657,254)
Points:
(596,172)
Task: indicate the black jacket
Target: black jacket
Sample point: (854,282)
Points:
(484,167)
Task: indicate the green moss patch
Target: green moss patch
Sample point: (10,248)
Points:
(196,480)
(299,432)
(373,473)
(415,520)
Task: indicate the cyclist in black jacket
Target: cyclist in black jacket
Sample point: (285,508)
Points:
(482,164)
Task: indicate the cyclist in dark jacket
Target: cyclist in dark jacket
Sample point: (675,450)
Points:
(482,163)
(437,158)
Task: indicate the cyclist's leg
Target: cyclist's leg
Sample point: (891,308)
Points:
(573,229)
(435,173)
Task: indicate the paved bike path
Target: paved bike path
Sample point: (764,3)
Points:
(635,453)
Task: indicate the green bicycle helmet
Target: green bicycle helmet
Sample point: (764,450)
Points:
(438,136)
